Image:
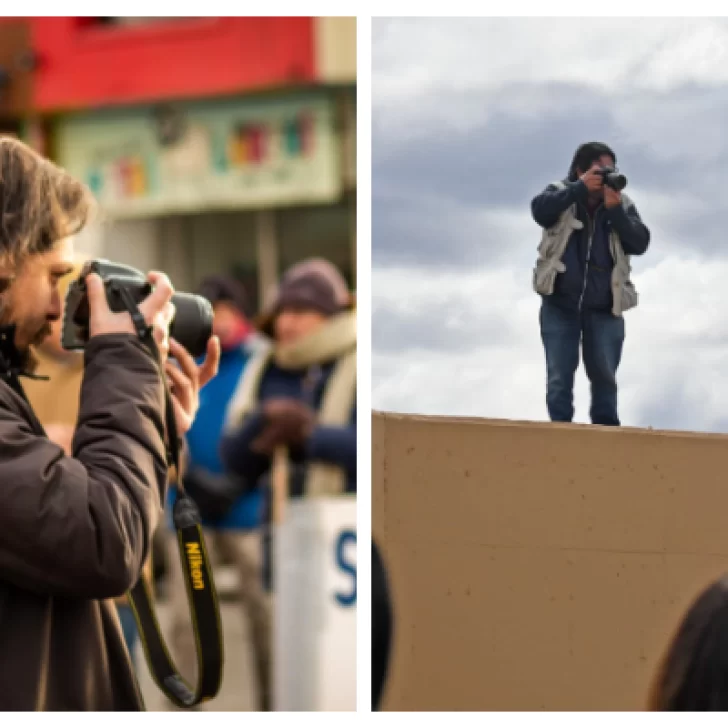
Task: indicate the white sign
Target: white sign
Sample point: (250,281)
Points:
(217,154)
(315,606)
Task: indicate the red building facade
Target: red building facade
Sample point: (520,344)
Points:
(94,94)
(84,64)
(90,62)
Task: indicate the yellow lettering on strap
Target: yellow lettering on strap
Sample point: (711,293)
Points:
(194,556)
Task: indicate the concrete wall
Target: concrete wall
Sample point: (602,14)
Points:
(540,566)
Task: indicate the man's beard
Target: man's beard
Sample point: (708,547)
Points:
(42,334)
(28,361)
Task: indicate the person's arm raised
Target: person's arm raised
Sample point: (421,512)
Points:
(82,526)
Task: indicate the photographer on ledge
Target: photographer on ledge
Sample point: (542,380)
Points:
(75,531)
(583,271)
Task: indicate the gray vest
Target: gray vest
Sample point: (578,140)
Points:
(551,251)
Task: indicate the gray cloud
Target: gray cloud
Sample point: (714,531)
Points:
(668,408)
(427,190)
(498,161)
(462,141)
(682,401)
(448,323)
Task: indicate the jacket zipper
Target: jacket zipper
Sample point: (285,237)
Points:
(592,225)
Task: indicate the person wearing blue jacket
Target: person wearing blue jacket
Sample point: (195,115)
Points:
(231,516)
(579,309)
(299,396)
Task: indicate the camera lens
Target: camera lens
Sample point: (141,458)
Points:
(192,324)
(616,181)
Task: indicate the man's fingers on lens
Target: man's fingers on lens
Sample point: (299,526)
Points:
(158,278)
(182,419)
(159,297)
(181,385)
(168,313)
(209,367)
(161,341)
(160,327)
(186,362)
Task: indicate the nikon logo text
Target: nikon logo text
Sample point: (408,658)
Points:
(195,558)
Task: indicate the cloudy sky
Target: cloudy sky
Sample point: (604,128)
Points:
(471,119)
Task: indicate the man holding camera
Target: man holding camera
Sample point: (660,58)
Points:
(75,531)
(591,228)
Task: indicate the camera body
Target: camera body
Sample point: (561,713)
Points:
(191,326)
(612,178)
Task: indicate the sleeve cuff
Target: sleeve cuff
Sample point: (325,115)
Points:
(324,443)
(618,215)
(579,190)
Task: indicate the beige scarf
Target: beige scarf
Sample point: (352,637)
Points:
(336,339)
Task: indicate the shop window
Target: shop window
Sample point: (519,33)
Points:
(321,232)
(213,243)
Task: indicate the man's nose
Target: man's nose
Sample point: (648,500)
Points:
(56,307)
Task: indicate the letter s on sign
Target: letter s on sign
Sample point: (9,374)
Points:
(346,599)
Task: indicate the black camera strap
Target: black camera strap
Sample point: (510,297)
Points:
(201,594)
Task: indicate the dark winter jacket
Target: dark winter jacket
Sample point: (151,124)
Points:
(74,532)
(335,445)
(586,282)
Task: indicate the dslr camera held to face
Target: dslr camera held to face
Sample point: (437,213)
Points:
(612,178)
(191,326)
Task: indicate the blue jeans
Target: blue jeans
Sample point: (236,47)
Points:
(129,627)
(601,335)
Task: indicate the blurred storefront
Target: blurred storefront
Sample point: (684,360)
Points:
(212,143)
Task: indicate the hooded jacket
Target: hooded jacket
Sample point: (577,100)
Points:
(74,532)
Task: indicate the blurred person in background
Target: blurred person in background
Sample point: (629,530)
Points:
(231,515)
(55,401)
(693,674)
(298,396)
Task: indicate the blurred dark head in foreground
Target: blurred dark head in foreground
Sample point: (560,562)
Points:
(41,208)
(693,675)
(381,627)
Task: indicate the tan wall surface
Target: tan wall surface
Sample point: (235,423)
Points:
(537,566)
